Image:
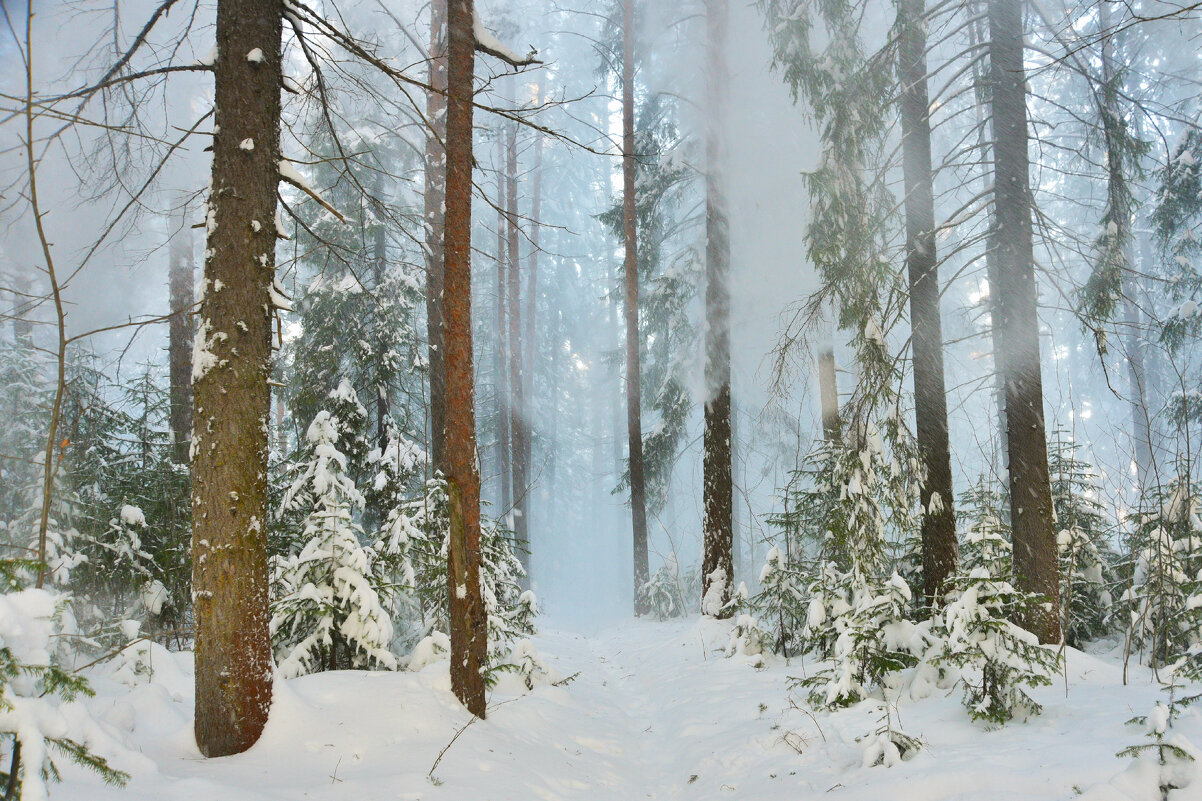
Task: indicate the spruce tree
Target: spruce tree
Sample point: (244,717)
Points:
(1083,534)
(329,614)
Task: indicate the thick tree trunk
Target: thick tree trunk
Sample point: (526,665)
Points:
(469,632)
(182,287)
(231,395)
(939,546)
(504,434)
(517,382)
(1035,556)
(717,480)
(634,412)
(828,394)
(433,211)
(976,33)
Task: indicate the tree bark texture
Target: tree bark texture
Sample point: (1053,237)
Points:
(717,464)
(939,545)
(231,394)
(182,288)
(1035,555)
(469,634)
(434,202)
(634,415)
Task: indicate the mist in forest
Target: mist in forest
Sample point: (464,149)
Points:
(123,189)
(578,519)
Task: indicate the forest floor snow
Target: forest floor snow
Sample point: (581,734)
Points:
(655,712)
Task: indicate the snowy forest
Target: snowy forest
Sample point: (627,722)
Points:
(594,399)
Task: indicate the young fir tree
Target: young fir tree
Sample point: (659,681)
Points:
(670,592)
(1166,573)
(510,609)
(995,657)
(34,682)
(122,514)
(986,540)
(859,610)
(1086,558)
(1172,751)
(328,614)
(781,605)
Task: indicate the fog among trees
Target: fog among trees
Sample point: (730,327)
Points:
(705,398)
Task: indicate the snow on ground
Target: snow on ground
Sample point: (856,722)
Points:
(656,712)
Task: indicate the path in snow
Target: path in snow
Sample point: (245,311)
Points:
(663,709)
(656,712)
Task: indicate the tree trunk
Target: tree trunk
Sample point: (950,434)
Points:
(469,633)
(231,395)
(182,287)
(1137,378)
(504,435)
(717,479)
(380,267)
(977,35)
(1120,202)
(530,340)
(828,394)
(433,211)
(1035,556)
(939,545)
(517,381)
(634,414)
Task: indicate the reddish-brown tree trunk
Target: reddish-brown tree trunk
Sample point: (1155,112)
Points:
(433,211)
(939,545)
(231,395)
(182,287)
(469,632)
(1035,555)
(717,463)
(634,412)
